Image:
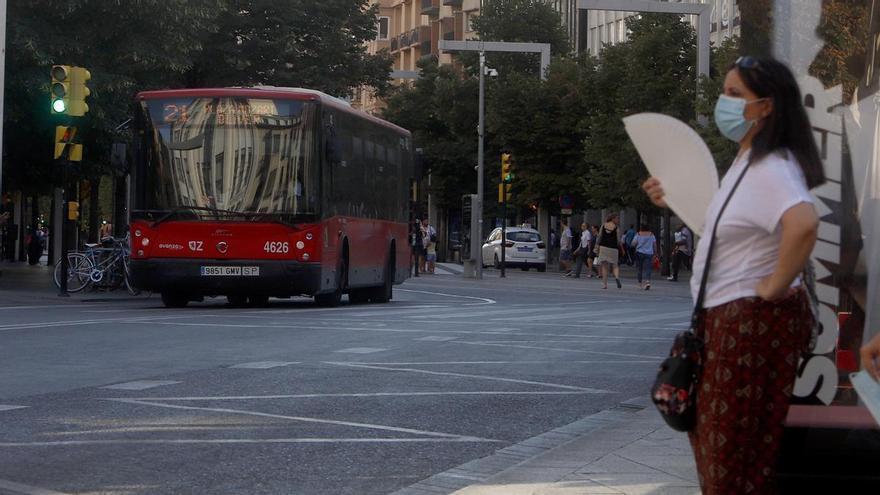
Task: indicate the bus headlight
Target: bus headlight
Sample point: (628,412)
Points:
(137,233)
(309,236)
(300,244)
(145,241)
(305,257)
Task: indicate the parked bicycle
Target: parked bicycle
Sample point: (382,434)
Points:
(105,265)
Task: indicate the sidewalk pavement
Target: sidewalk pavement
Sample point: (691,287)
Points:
(625,450)
(21,283)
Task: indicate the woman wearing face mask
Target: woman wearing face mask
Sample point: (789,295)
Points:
(755,316)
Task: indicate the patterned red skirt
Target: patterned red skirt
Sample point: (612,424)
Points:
(752,351)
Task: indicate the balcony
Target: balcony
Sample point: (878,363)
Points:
(430,8)
(395,44)
(447,28)
(452,3)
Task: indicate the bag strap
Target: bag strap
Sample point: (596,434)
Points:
(701,295)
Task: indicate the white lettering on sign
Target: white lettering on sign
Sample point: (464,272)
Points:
(276,247)
(173,247)
(817,377)
(196,246)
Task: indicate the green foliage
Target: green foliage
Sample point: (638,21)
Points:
(297,43)
(654,71)
(440,109)
(531,21)
(539,123)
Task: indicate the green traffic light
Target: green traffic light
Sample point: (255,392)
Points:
(58,106)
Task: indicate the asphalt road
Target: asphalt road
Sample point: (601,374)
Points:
(123,396)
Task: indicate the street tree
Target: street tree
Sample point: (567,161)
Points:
(539,123)
(440,108)
(653,71)
(296,43)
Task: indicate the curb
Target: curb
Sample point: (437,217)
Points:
(480,470)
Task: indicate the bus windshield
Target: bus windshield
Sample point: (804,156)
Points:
(233,154)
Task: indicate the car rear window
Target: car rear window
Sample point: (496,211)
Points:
(524,236)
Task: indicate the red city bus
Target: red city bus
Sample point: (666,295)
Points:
(252,193)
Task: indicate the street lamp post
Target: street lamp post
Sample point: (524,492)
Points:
(476,240)
(482,47)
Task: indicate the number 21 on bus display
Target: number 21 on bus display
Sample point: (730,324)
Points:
(276,247)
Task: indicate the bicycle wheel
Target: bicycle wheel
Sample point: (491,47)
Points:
(126,269)
(79,267)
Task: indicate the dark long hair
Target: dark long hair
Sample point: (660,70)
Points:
(788,126)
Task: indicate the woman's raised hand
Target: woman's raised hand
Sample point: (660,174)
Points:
(655,192)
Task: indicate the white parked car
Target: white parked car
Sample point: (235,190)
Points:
(524,249)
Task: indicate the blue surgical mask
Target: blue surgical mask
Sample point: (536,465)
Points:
(730,117)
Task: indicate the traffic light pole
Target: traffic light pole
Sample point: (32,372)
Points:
(65,212)
(503,227)
(477,237)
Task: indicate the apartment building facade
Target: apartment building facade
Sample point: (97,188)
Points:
(411,30)
(600,27)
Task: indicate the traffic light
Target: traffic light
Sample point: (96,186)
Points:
(502,189)
(64,139)
(77,105)
(60,88)
(73,210)
(506,173)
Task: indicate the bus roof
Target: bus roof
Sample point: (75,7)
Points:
(270,92)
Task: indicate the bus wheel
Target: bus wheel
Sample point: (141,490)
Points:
(384,292)
(237,301)
(332,299)
(358,296)
(258,301)
(174,300)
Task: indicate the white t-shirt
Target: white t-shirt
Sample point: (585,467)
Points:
(565,242)
(747,243)
(586,237)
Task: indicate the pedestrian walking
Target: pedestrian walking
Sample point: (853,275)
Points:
(628,245)
(645,245)
(754,315)
(608,251)
(565,249)
(682,250)
(417,245)
(582,253)
(428,237)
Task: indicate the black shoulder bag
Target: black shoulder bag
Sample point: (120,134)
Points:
(675,389)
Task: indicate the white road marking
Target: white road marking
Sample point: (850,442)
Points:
(426,363)
(558,349)
(5,407)
(649,318)
(184,441)
(587,315)
(18,488)
(342,309)
(484,300)
(436,338)
(263,365)
(305,419)
(480,314)
(140,385)
(362,395)
(71,323)
(361,350)
(481,377)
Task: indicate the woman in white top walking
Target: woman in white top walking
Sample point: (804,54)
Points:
(756,319)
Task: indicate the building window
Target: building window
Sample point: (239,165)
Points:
(469,21)
(383,28)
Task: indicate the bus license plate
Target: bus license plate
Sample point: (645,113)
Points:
(230,271)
